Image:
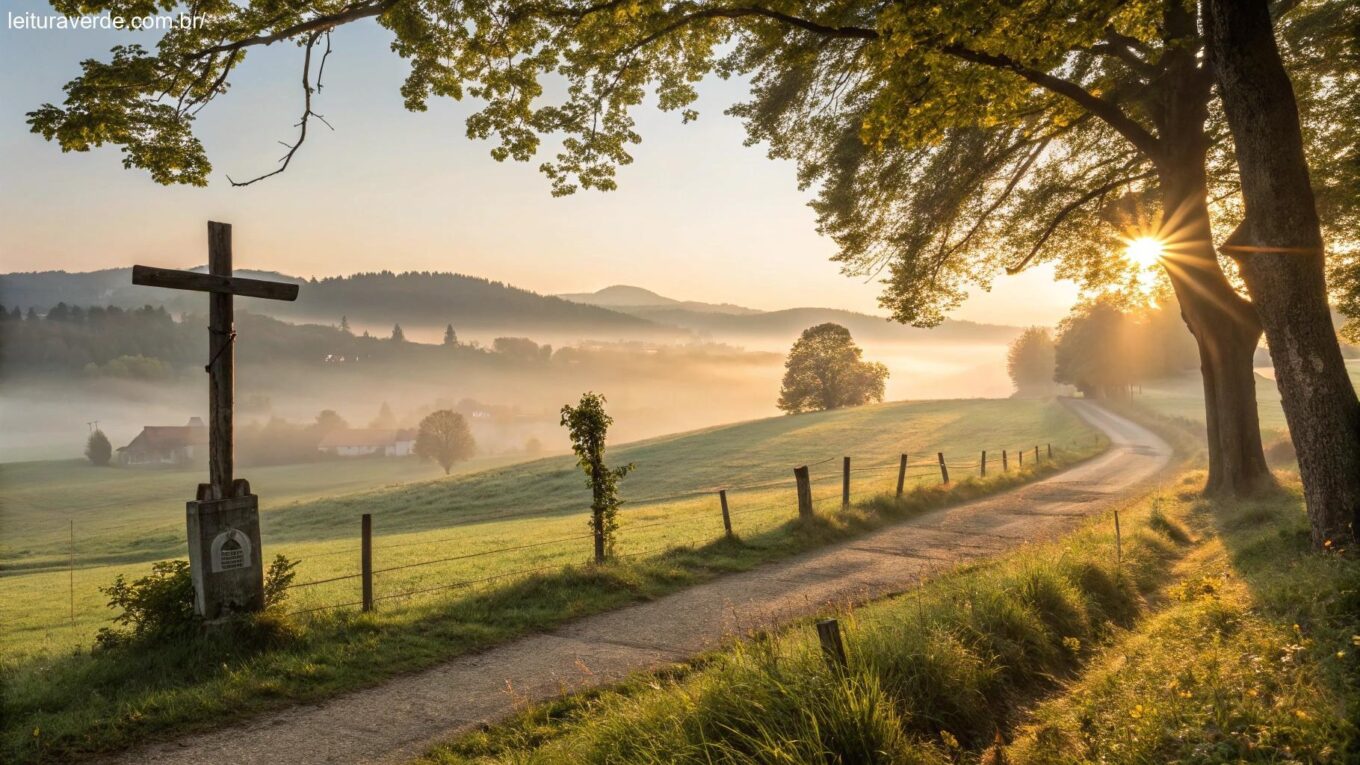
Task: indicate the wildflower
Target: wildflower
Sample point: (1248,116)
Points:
(1137,712)
(1299,713)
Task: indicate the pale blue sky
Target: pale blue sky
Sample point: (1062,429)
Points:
(697,216)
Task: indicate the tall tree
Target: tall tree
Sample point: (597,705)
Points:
(1279,250)
(98,450)
(826,370)
(1092,350)
(450,337)
(1029,361)
(948,141)
(398,336)
(445,438)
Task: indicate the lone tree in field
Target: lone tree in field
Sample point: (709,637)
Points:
(1029,360)
(450,337)
(946,142)
(398,336)
(98,450)
(588,424)
(825,371)
(444,437)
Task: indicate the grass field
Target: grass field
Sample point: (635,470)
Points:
(509,545)
(123,515)
(1222,637)
(670,502)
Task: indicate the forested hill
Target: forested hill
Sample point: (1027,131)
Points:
(383,298)
(150,344)
(727,321)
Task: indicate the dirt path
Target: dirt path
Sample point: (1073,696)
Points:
(401,718)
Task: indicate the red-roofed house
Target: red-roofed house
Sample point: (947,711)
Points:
(167,444)
(358,442)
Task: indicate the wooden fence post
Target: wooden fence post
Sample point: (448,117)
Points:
(366,559)
(800,475)
(1036,454)
(984,463)
(1118,542)
(1005,463)
(901,474)
(727,518)
(944,469)
(73,573)
(833,649)
(1020,457)
(1050,451)
(845,482)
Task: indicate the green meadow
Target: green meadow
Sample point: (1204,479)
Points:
(475,559)
(1184,397)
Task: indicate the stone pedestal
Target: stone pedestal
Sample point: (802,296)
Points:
(224,556)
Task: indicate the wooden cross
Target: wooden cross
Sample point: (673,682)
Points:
(221,336)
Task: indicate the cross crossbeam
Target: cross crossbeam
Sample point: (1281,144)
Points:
(222,287)
(150,276)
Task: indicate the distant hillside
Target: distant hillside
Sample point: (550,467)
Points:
(727,321)
(628,299)
(415,298)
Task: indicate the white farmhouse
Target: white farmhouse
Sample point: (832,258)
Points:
(361,442)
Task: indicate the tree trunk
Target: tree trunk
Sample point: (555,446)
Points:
(1280,251)
(1225,326)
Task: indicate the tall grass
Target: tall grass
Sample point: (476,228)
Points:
(931,674)
(1253,658)
(1222,637)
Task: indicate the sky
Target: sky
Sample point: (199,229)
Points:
(697,216)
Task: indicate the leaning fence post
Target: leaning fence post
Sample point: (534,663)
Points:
(845,482)
(366,559)
(944,469)
(727,518)
(1005,463)
(984,463)
(800,475)
(833,649)
(901,474)
(1118,542)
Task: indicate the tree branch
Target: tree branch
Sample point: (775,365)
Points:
(1070,208)
(1109,112)
(320,23)
(307,112)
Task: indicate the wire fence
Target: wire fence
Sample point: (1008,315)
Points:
(690,518)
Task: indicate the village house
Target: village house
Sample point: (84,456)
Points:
(360,442)
(167,444)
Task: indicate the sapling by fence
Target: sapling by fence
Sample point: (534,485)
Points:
(588,424)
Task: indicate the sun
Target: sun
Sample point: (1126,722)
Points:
(1144,252)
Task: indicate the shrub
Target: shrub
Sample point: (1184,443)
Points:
(159,608)
(156,608)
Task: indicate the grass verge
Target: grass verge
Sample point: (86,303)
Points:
(86,703)
(1220,638)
